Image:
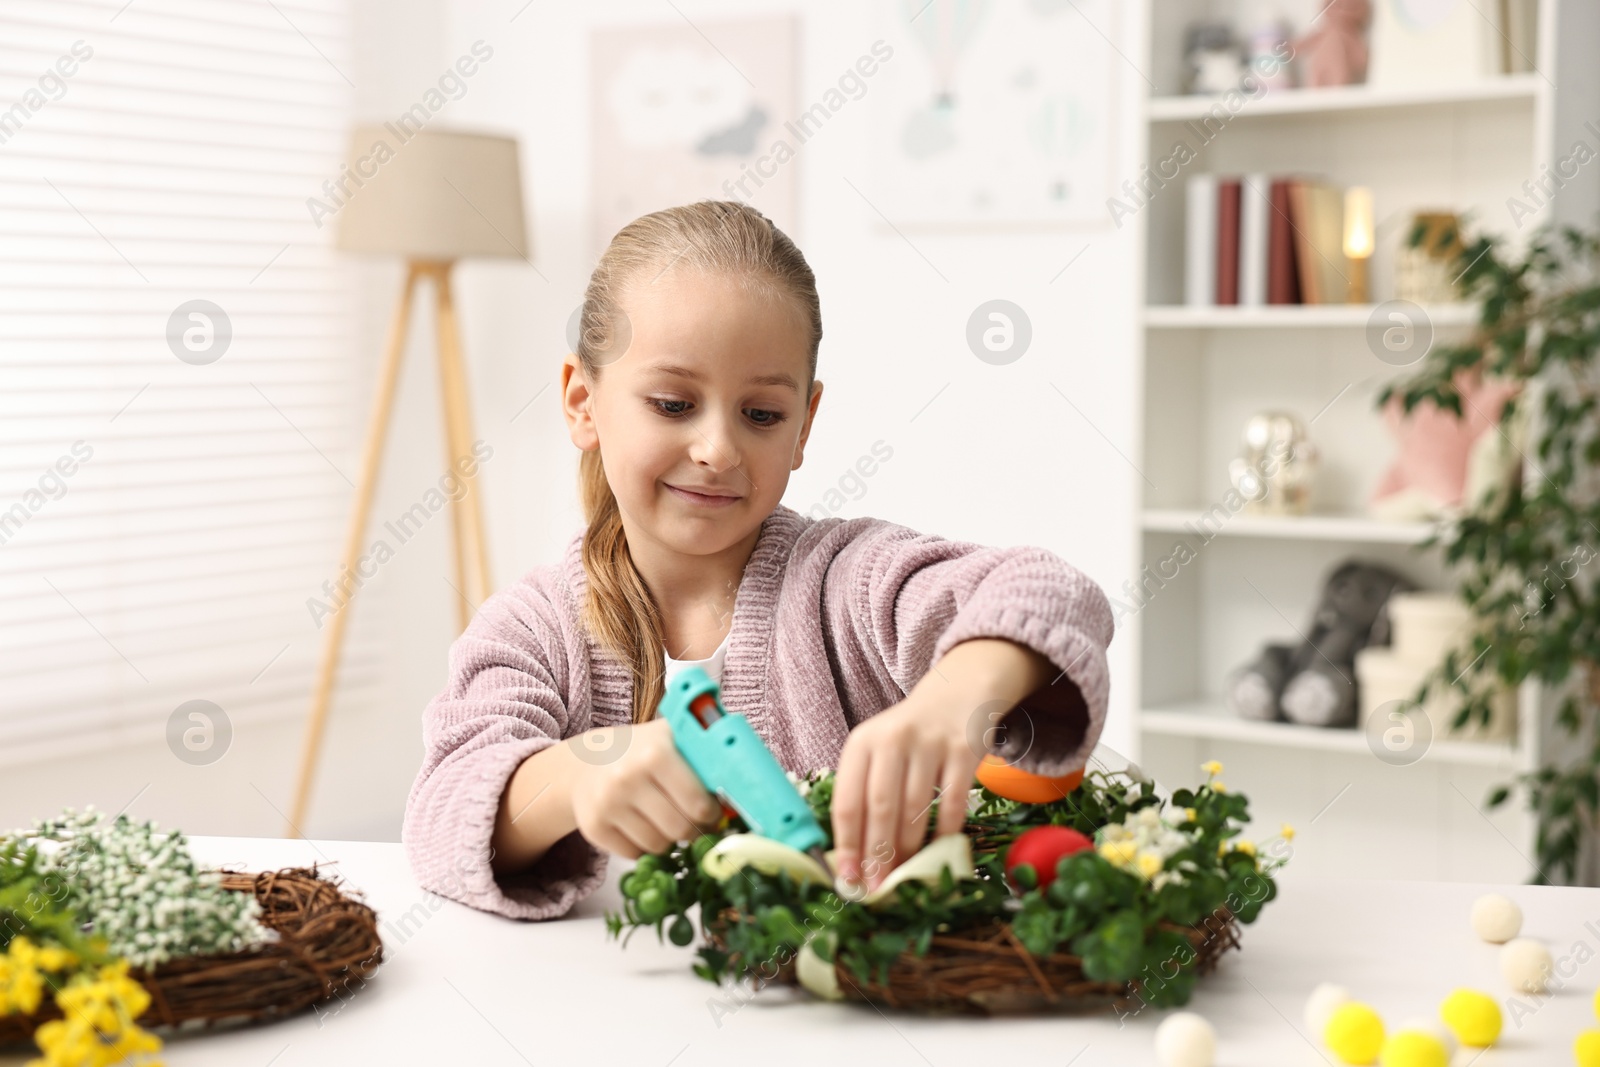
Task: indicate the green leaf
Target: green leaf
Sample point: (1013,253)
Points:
(1112,952)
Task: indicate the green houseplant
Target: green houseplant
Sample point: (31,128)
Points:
(1524,549)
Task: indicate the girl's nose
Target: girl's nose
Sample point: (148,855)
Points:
(713,446)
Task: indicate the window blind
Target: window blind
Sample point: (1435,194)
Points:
(166,510)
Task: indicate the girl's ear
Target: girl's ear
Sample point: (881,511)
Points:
(575,398)
(805,431)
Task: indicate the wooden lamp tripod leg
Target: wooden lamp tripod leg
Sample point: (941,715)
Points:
(472,555)
(439,274)
(333,639)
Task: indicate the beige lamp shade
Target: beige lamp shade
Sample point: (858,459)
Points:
(431,194)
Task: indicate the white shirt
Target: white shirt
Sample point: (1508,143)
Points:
(712,664)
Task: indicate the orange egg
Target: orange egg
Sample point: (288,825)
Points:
(1006,780)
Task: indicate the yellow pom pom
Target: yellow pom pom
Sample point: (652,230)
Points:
(1413,1048)
(1586,1049)
(1472,1016)
(1354,1033)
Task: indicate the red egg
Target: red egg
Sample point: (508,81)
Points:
(1042,847)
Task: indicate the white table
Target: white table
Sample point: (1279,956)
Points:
(462,986)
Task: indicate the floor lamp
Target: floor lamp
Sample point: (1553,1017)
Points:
(432,197)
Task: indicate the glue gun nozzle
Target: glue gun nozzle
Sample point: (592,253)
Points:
(816,853)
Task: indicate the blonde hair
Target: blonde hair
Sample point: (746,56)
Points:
(715,236)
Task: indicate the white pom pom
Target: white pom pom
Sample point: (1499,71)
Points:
(1525,964)
(1320,1006)
(1185,1039)
(1495,918)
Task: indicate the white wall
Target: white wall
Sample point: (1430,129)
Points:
(998,457)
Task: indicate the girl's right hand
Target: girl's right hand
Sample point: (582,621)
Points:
(635,793)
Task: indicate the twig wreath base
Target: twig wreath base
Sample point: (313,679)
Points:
(325,941)
(987,971)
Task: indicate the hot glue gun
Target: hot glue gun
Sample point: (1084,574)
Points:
(733,762)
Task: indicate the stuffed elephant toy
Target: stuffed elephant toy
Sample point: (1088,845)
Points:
(1314,683)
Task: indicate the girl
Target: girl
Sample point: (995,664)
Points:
(890,655)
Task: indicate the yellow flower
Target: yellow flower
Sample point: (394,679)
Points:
(1149,863)
(1118,853)
(23,951)
(56,958)
(47,958)
(75,1042)
(1211,767)
(1193,815)
(21,984)
(98,1028)
(1288,832)
(1219,787)
(1247,847)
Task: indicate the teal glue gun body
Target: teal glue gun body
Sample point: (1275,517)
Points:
(733,762)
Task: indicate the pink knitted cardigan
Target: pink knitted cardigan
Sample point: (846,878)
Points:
(833,621)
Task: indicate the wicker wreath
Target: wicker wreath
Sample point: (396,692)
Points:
(1146,893)
(987,971)
(326,940)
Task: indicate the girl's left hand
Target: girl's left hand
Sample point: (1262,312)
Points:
(884,785)
(890,764)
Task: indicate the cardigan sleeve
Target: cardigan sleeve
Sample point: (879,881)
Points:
(909,598)
(503,702)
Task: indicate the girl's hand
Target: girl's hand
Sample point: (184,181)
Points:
(890,764)
(643,798)
(885,782)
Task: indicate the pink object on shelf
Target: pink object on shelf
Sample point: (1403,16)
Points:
(1335,53)
(1435,445)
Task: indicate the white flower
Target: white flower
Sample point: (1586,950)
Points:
(147,898)
(1146,840)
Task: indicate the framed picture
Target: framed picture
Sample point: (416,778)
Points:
(996,113)
(1418,43)
(683,113)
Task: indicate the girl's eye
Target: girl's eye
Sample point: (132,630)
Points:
(666,407)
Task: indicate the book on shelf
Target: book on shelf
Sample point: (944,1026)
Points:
(1200,240)
(1255,208)
(1255,239)
(1316,211)
(1519,37)
(1283,275)
(1227,291)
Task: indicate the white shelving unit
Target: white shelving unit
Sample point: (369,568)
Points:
(1288,316)
(1250,579)
(1350,528)
(1214,720)
(1170,109)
